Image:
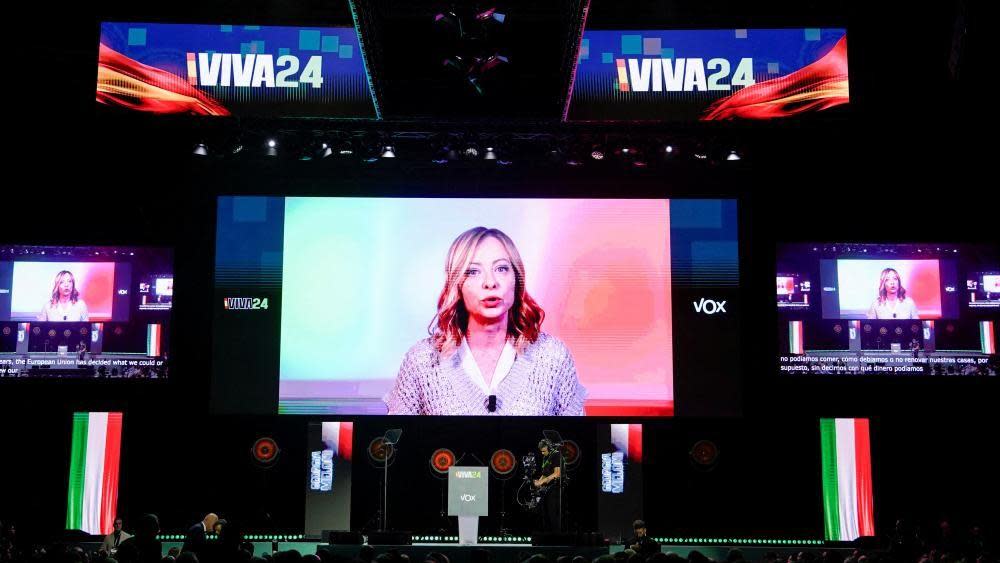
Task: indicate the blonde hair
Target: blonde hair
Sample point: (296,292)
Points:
(449,325)
(882,294)
(73,296)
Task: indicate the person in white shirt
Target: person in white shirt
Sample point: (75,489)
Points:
(115,538)
(65,304)
(892,302)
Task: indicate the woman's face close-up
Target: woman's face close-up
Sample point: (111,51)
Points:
(891,282)
(66,285)
(488,289)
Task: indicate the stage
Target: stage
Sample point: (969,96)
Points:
(515,553)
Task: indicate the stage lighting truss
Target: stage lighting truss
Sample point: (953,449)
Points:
(377,144)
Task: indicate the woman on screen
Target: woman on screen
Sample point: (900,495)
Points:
(65,304)
(486,353)
(892,302)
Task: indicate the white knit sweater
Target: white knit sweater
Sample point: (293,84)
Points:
(542,382)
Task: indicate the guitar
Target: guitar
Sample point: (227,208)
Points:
(537,494)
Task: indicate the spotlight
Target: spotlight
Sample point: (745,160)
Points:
(492,62)
(669,149)
(271,143)
(443,149)
(201,150)
(491,15)
(449,23)
(388,152)
(345,148)
(272,148)
(733,155)
(490,154)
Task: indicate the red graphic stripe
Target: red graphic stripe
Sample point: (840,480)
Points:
(112,463)
(815,87)
(127,83)
(863,467)
(635,443)
(345,440)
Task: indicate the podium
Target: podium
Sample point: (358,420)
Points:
(468,498)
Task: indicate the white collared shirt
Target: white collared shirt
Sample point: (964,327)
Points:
(504,363)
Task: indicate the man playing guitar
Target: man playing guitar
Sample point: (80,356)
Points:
(550,476)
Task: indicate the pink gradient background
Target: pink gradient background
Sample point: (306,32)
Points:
(599,268)
(859,282)
(31,287)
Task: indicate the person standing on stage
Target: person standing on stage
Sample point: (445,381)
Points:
(195,539)
(115,538)
(550,482)
(640,542)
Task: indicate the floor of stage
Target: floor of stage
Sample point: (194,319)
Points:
(515,553)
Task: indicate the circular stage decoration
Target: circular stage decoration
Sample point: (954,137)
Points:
(868,327)
(265,450)
(704,454)
(837,328)
(441,460)
(84,331)
(67,333)
(52,333)
(6,331)
(883,331)
(36,330)
(899,330)
(379,451)
(503,462)
(571,453)
(118,331)
(914,328)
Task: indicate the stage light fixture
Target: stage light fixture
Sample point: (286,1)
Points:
(201,150)
(450,23)
(490,154)
(733,155)
(271,143)
(388,152)
(491,15)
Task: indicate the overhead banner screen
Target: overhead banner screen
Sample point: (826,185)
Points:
(708,75)
(231,70)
